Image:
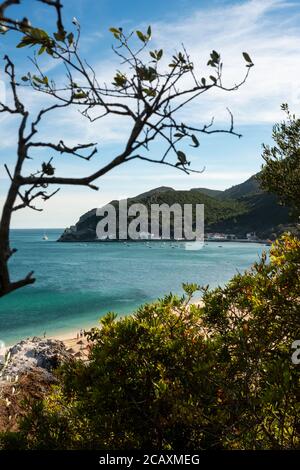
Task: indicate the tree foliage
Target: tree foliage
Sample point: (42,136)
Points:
(281,172)
(217,375)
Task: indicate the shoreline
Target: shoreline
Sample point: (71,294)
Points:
(72,338)
(65,329)
(72,335)
(266,242)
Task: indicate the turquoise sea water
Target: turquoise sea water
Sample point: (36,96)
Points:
(79,282)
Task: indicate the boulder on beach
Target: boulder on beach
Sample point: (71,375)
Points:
(34,354)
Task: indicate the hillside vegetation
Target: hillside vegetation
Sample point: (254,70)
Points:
(238,210)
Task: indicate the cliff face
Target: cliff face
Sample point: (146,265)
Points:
(238,210)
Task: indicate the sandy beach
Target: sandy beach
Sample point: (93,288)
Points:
(74,343)
(79,345)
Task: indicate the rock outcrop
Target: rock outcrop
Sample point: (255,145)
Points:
(26,376)
(34,355)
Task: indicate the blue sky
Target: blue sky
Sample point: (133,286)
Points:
(267,29)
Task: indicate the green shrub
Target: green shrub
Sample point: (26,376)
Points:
(174,375)
(281,171)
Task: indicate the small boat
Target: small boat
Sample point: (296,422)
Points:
(45,237)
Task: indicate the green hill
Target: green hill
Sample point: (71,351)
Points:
(209,192)
(238,210)
(263,214)
(247,188)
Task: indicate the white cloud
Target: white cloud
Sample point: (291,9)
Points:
(267,29)
(273,41)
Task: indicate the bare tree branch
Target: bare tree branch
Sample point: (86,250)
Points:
(146,93)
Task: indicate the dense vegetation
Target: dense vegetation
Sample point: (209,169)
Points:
(174,375)
(281,172)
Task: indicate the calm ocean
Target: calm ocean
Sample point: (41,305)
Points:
(79,282)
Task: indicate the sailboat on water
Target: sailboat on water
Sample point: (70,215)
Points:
(45,237)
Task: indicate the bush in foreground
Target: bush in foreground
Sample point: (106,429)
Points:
(218,375)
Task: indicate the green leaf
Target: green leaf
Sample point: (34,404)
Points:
(247,58)
(48,169)
(181,57)
(25,78)
(211,63)
(120,80)
(141,36)
(70,38)
(195,140)
(203,81)
(152,74)
(190,289)
(159,54)
(38,79)
(60,36)
(149,92)
(115,30)
(149,32)
(41,50)
(23,43)
(213,79)
(79,96)
(39,34)
(181,157)
(178,134)
(215,56)
(49,51)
